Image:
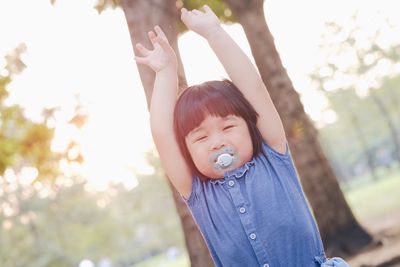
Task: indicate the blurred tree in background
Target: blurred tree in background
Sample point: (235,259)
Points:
(49,217)
(23,143)
(364,95)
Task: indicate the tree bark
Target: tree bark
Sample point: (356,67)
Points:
(341,233)
(141,17)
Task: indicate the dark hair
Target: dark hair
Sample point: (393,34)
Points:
(217,98)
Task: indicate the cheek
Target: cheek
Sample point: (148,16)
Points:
(194,152)
(246,143)
(197,155)
(200,159)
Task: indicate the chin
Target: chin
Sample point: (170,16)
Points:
(215,174)
(221,173)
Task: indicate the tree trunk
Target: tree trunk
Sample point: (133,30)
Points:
(341,233)
(141,17)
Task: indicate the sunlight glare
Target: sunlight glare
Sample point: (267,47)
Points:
(27,175)
(74,51)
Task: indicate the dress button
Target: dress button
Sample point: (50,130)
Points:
(231,183)
(253,236)
(266,265)
(242,210)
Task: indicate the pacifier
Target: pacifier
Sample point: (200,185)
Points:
(224,160)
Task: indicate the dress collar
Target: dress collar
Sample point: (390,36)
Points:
(235,173)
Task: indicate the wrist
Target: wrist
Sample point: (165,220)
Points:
(213,32)
(170,66)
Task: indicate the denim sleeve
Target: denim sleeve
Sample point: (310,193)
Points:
(276,156)
(196,187)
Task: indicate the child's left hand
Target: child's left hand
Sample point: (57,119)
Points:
(203,23)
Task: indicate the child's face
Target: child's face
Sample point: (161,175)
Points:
(216,136)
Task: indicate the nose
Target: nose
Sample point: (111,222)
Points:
(217,142)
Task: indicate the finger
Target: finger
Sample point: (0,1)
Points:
(155,39)
(152,37)
(141,60)
(197,12)
(164,44)
(184,14)
(143,50)
(207,9)
(160,32)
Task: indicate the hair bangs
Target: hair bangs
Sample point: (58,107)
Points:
(196,106)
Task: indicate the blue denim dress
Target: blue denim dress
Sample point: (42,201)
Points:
(257,215)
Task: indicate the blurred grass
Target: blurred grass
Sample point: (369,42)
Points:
(372,199)
(162,260)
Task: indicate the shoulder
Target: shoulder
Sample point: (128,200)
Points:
(275,155)
(194,192)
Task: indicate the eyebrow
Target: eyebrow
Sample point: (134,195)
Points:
(195,130)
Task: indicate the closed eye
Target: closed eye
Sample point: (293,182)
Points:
(228,127)
(200,138)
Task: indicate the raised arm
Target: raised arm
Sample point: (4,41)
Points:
(241,71)
(162,60)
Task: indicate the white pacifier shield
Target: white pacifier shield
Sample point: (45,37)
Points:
(224,160)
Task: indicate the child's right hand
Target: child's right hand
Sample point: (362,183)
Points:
(162,56)
(204,23)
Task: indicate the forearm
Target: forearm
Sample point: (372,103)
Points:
(235,62)
(245,76)
(163,101)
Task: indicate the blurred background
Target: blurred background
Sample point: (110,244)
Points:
(80,180)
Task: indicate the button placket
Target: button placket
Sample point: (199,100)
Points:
(245,218)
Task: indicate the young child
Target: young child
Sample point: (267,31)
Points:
(223,146)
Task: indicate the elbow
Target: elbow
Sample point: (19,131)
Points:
(156,129)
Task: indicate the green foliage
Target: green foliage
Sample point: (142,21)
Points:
(4,81)
(23,142)
(101,5)
(365,106)
(219,7)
